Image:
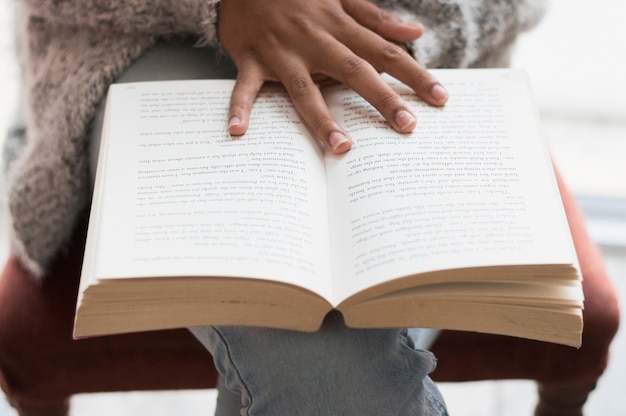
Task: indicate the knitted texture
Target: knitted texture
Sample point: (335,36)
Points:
(71,51)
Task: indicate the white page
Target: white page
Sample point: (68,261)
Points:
(454,193)
(173,177)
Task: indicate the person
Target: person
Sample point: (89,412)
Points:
(71,51)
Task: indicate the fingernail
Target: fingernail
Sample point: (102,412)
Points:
(234,121)
(439,93)
(336,139)
(404,119)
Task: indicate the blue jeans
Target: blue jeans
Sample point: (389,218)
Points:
(334,371)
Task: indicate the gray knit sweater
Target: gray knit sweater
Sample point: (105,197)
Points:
(70,51)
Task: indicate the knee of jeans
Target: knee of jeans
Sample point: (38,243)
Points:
(336,363)
(333,347)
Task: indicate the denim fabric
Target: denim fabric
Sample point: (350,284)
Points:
(334,371)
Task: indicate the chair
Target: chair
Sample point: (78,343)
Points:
(41,366)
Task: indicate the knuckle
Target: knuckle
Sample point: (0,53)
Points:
(239,106)
(303,23)
(246,82)
(381,17)
(393,53)
(388,101)
(322,124)
(353,66)
(300,87)
(379,20)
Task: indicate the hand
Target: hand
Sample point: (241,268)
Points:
(295,42)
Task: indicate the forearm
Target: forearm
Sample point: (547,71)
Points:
(466,33)
(156,17)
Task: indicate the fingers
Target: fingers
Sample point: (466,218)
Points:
(388,57)
(345,40)
(344,66)
(393,60)
(364,79)
(373,41)
(304,93)
(247,86)
(310,104)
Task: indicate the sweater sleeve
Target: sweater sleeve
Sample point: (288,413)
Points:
(467,33)
(458,33)
(140,17)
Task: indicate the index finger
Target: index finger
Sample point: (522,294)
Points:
(310,104)
(389,57)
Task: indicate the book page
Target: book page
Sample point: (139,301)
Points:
(182,197)
(472,185)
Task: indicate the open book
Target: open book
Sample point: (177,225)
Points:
(458,225)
